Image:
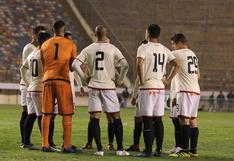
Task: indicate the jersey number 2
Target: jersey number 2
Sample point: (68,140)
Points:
(99,59)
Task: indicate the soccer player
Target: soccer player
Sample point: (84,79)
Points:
(34,82)
(188,96)
(57,54)
(23,87)
(74,75)
(137,120)
(102,58)
(152,59)
(171,103)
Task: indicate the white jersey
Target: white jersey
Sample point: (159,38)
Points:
(155,56)
(26,51)
(102,59)
(188,72)
(34,64)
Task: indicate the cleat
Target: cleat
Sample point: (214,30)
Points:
(47,149)
(99,153)
(52,145)
(122,153)
(110,147)
(144,154)
(180,154)
(158,153)
(26,146)
(21,145)
(193,154)
(175,150)
(71,149)
(87,146)
(133,148)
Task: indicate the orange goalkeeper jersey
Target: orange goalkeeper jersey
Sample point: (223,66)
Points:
(57,54)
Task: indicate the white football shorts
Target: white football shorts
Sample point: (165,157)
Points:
(107,98)
(151,102)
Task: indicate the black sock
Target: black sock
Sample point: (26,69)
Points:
(178,132)
(111,132)
(118,129)
(90,135)
(159,132)
(51,130)
(24,115)
(148,133)
(194,139)
(39,122)
(95,130)
(28,126)
(137,130)
(186,130)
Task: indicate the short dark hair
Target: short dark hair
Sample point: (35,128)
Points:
(100,31)
(58,25)
(179,38)
(67,34)
(154,30)
(42,37)
(144,42)
(36,30)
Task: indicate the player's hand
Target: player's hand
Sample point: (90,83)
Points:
(82,92)
(166,82)
(142,83)
(133,101)
(173,102)
(168,102)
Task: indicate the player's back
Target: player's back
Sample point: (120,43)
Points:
(188,72)
(36,73)
(26,52)
(101,59)
(155,57)
(56,54)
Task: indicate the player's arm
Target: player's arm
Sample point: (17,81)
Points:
(76,67)
(24,72)
(79,83)
(135,91)
(140,70)
(123,71)
(173,71)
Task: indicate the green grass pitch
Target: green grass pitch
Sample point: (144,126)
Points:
(216,141)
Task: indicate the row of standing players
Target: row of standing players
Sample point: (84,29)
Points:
(96,64)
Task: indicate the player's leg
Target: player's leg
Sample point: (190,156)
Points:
(24,114)
(29,122)
(194,127)
(47,109)
(146,111)
(37,102)
(184,114)
(194,137)
(95,108)
(177,134)
(88,145)
(158,112)
(63,94)
(51,130)
(111,105)
(111,132)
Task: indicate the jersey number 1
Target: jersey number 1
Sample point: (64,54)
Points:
(99,59)
(56,51)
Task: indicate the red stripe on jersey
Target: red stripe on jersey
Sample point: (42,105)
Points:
(151,88)
(101,88)
(190,92)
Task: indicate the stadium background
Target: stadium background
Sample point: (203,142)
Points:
(208,25)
